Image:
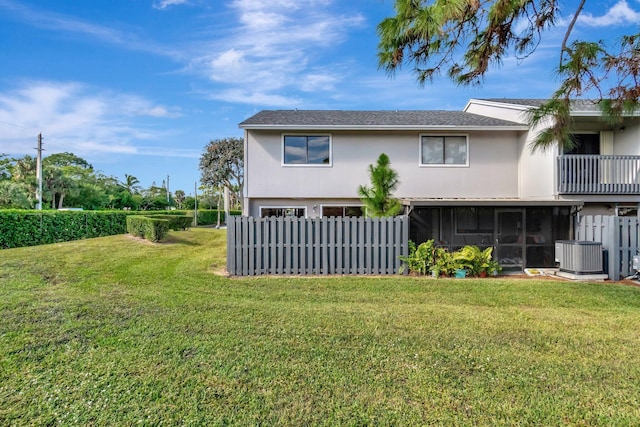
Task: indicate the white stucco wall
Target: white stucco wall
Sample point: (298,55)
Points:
(537,170)
(627,141)
(492,170)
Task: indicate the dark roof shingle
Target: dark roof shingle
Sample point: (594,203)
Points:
(578,105)
(346,119)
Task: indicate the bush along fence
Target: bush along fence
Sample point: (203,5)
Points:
(30,228)
(620,238)
(430,259)
(341,245)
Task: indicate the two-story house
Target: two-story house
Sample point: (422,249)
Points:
(466,177)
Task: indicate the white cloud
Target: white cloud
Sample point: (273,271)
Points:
(275,50)
(160,111)
(619,14)
(136,106)
(314,82)
(75,118)
(242,96)
(163,4)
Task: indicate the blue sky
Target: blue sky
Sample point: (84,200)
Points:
(141,86)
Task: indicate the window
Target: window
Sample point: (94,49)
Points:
(282,211)
(329,211)
(307,150)
(443,150)
(474,220)
(585,143)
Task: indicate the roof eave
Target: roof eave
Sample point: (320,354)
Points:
(507,105)
(439,202)
(378,128)
(521,107)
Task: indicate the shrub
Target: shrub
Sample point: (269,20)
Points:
(420,258)
(210,217)
(176,222)
(150,228)
(29,228)
(427,258)
(476,261)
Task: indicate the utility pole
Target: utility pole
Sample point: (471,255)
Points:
(168,196)
(195,205)
(39,173)
(227,203)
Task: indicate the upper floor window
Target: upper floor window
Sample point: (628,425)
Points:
(307,150)
(444,150)
(585,143)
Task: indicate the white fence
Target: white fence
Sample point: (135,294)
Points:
(619,237)
(342,245)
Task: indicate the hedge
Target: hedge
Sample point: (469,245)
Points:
(210,217)
(176,222)
(149,227)
(30,228)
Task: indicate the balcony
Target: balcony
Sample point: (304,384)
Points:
(593,174)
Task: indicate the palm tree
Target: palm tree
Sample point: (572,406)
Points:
(24,173)
(131,184)
(179,197)
(24,168)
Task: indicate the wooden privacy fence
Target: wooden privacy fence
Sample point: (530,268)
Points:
(619,237)
(341,245)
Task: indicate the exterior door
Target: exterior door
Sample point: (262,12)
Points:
(510,239)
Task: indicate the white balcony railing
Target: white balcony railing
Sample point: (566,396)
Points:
(593,174)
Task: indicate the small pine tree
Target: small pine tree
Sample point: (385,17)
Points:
(378,198)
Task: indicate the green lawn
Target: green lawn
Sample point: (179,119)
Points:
(116,331)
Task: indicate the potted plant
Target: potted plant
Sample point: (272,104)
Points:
(443,263)
(488,265)
(468,259)
(420,258)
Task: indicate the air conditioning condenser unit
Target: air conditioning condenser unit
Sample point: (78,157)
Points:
(579,257)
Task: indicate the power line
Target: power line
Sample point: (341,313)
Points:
(13,124)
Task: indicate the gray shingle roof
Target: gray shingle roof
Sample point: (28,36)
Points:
(578,105)
(343,119)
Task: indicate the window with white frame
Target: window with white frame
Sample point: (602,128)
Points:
(444,150)
(307,150)
(329,211)
(282,212)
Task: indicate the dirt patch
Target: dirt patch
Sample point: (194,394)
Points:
(139,239)
(219,270)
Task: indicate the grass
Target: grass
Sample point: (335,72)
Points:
(116,331)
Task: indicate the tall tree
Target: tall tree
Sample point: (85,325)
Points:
(378,198)
(154,198)
(23,172)
(64,173)
(465,38)
(131,184)
(222,165)
(179,197)
(5,167)
(24,168)
(14,195)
